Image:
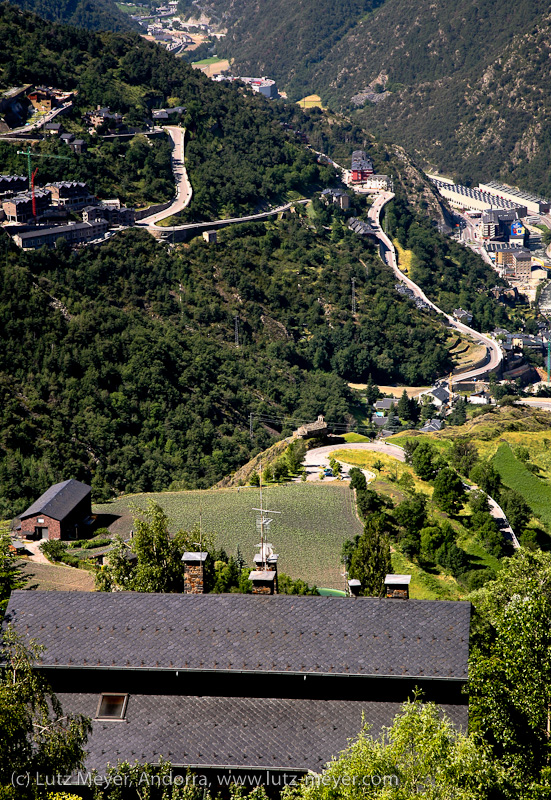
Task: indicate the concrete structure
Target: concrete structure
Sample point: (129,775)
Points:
(533,204)
(13,184)
(312,429)
(522,264)
(474,199)
(377,183)
(337,197)
(60,513)
(103,115)
(75,233)
(264,86)
(211,237)
(480,398)
(463,316)
(20,208)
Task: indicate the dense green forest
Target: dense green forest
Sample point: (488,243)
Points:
(468,83)
(238,154)
(96,15)
(132,379)
(450,274)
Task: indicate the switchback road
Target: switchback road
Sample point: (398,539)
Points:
(388,254)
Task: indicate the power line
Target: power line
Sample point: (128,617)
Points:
(353,295)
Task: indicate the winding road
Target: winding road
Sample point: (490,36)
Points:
(317,459)
(184,192)
(388,255)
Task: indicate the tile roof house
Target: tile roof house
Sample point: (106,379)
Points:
(248,682)
(59,512)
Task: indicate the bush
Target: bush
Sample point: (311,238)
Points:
(357,479)
(54,549)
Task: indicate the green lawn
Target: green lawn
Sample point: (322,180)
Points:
(354,438)
(314,522)
(205,61)
(514,474)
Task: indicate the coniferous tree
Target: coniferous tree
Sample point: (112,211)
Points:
(11,572)
(370,561)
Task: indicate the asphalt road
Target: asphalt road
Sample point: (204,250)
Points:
(184,191)
(492,346)
(317,459)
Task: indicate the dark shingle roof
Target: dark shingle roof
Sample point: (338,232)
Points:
(245,732)
(59,500)
(281,634)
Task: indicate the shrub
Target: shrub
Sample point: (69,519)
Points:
(54,549)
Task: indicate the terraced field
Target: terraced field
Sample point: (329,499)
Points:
(308,534)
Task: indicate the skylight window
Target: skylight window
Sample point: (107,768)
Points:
(112,706)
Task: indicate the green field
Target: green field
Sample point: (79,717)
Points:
(205,61)
(514,474)
(308,534)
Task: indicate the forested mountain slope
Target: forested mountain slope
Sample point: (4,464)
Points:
(118,364)
(96,15)
(469,81)
(284,40)
(237,153)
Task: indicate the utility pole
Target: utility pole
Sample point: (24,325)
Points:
(236,320)
(353,295)
(251,426)
(548,361)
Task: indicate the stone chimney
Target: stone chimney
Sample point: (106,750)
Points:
(397,586)
(194,569)
(263,581)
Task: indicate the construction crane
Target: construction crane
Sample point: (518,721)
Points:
(32,175)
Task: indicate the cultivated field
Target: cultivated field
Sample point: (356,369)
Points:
(57,577)
(308,534)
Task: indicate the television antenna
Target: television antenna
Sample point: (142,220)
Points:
(263,522)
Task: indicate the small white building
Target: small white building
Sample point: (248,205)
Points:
(480,398)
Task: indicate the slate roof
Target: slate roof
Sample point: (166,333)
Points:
(220,633)
(59,500)
(441,394)
(239,732)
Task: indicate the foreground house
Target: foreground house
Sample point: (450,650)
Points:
(60,513)
(241,682)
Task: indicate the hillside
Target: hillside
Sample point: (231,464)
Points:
(259,162)
(95,15)
(284,40)
(467,84)
(134,380)
(308,533)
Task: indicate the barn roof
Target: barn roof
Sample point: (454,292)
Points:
(59,500)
